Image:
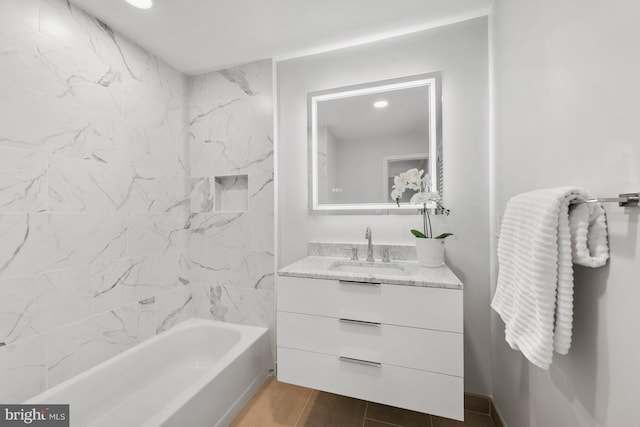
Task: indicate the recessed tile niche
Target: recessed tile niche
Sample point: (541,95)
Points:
(231,193)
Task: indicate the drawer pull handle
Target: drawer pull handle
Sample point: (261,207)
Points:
(360,322)
(360,362)
(355,282)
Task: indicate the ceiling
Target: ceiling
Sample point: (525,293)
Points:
(197,36)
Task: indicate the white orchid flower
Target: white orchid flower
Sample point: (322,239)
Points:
(396,195)
(413,180)
(426,181)
(400,181)
(413,176)
(419,199)
(424,197)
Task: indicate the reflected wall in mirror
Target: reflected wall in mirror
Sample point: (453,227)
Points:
(362,136)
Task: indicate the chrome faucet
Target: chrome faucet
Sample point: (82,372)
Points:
(367,235)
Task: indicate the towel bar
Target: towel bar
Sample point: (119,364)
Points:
(623,199)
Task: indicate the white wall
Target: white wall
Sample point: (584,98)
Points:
(460,52)
(566,92)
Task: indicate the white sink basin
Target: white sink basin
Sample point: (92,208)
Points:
(368,267)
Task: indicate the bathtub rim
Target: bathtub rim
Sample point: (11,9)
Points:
(249,335)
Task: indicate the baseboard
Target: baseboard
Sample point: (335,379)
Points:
(483,405)
(495,416)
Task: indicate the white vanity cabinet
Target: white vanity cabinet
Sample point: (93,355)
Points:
(394,344)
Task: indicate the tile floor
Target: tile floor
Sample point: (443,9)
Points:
(278,404)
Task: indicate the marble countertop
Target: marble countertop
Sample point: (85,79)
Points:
(316,267)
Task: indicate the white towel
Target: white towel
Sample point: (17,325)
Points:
(540,239)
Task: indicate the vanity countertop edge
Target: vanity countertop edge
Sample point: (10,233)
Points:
(318,267)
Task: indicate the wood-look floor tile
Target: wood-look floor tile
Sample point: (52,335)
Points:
(471,419)
(374,423)
(326,409)
(495,416)
(398,416)
(275,404)
(477,403)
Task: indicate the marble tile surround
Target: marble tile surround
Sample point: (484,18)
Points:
(94,196)
(108,229)
(231,134)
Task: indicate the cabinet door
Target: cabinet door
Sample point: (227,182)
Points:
(415,306)
(413,389)
(424,349)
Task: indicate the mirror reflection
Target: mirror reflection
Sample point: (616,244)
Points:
(362,136)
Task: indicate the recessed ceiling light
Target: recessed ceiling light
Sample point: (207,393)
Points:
(380,104)
(140,4)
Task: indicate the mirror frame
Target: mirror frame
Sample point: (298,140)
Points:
(433,81)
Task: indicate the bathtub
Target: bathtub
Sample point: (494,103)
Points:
(199,373)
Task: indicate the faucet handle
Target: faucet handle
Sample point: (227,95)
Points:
(386,254)
(354,253)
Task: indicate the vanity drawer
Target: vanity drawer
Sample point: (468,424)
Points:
(416,306)
(416,348)
(421,391)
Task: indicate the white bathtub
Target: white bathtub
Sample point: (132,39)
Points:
(199,373)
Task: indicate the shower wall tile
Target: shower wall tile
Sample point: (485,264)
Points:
(173,194)
(77,347)
(251,156)
(261,191)
(262,230)
(125,281)
(152,233)
(231,128)
(232,102)
(175,306)
(237,268)
(250,269)
(240,305)
(233,156)
(202,300)
(39,122)
(244,82)
(22,370)
(62,126)
(32,305)
(25,12)
(210,266)
(85,185)
(23,174)
(221,230)
(95,192)
(259,273)
(118,141)
(202,194)
(99,207)
(38,242)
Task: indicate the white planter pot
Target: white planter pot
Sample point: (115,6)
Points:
(430,252)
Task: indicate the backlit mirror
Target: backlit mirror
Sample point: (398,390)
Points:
(362,136)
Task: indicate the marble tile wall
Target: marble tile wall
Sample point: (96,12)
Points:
(231,134)
(95,193)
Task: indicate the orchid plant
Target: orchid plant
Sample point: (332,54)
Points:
(413,179)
